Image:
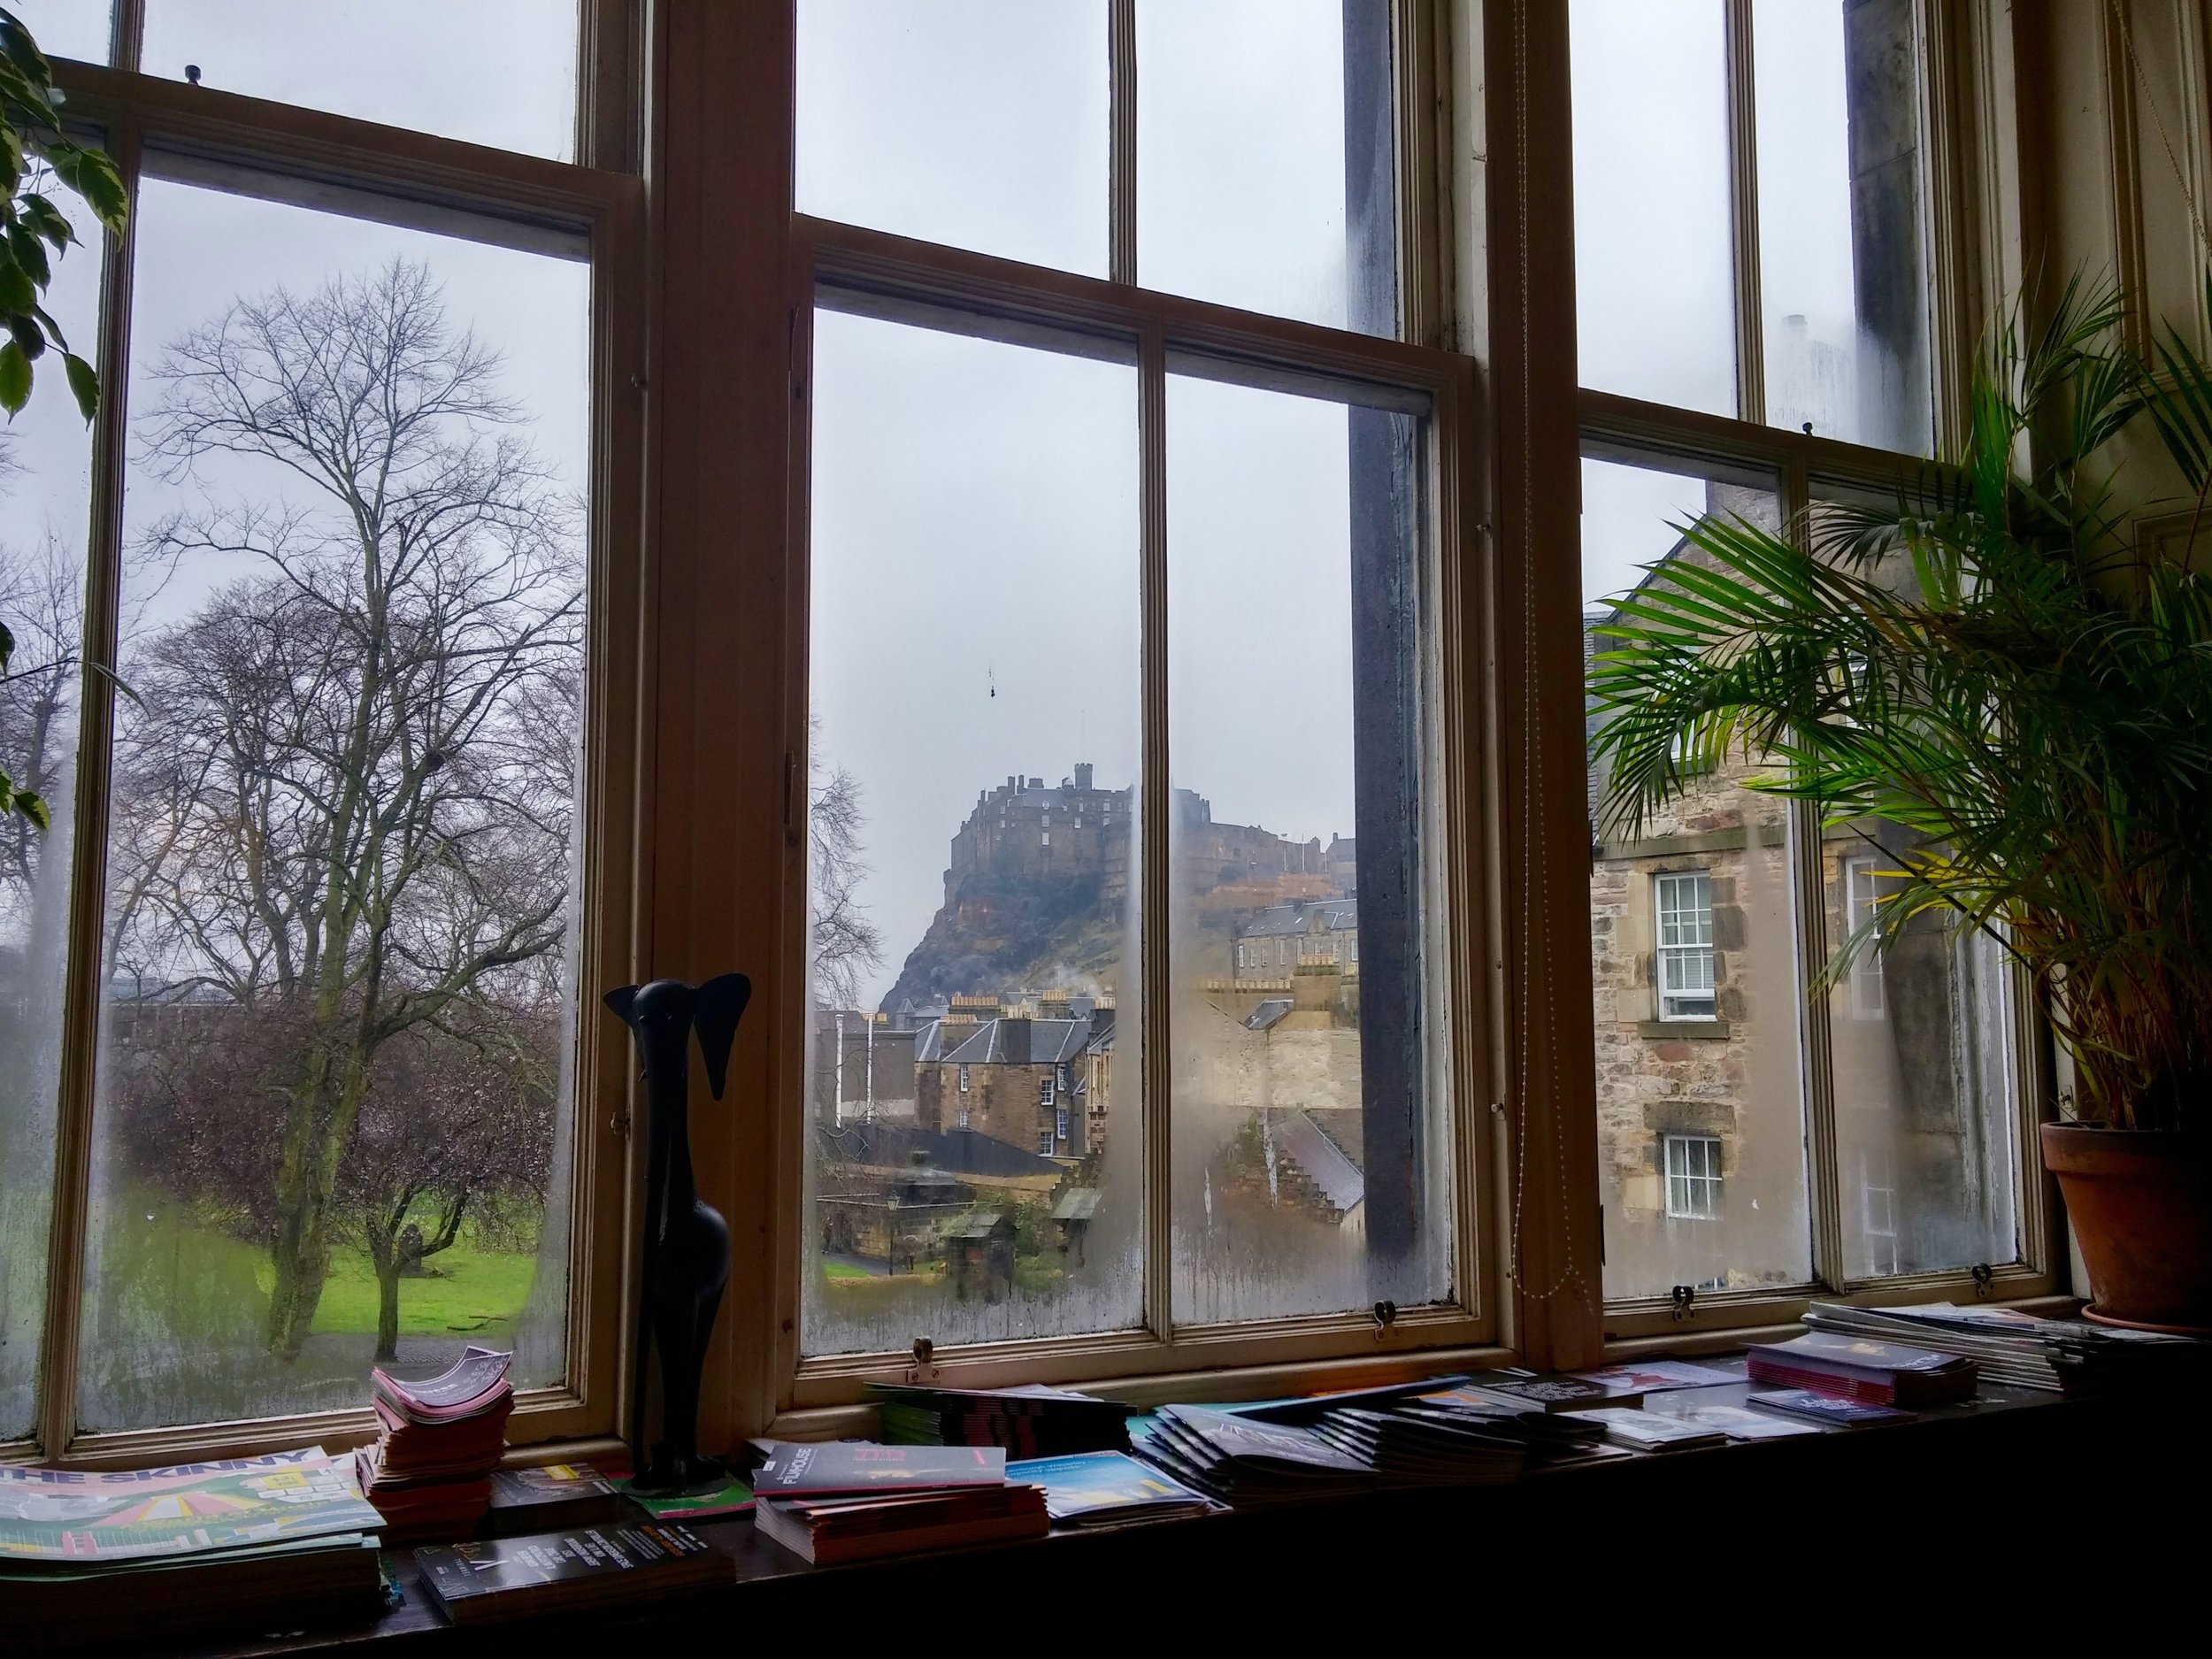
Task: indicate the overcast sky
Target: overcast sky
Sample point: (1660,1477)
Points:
(975,510)
(1654,287)
(975,503)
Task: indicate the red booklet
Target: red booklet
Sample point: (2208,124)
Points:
(853,1466)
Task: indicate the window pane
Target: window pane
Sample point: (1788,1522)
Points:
(1718,1069)
(67,28)
(1310,1137)
(1264,163)
(501,72)
(981,123)
(1655,282)
(45,490)
(339,929)
(1921,1033)
(1843,283)
(974,602)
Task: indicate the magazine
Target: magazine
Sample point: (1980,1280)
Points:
(82,1517)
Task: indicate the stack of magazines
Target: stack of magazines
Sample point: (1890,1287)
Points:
(1409,1448)
(1855,1368)
(1096,1490)
(430,1472)
(2072,1355)
(158,1553)
(850,1500)
(1243,1460)
(1034,1421)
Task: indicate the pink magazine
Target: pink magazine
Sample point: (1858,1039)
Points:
(470,1384)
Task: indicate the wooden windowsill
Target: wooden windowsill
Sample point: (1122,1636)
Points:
(1889,1493)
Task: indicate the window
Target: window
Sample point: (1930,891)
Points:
(1693,1176)
(1754,240)
(1295,489)
(1683,906)
(1772,269)
(324,893)
(1081,404)
(1860,895)
(365,57)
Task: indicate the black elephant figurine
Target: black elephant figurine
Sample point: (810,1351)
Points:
(687,1254)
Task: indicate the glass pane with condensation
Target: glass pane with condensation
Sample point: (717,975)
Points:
(1310,1109)
(1843,280)
(45,494)
(983,124)
(1698,1009)
(1265,176)
(335,1072)
(501,72)
(974,1142)
(1921,1033)
(80,29)
(1655,282)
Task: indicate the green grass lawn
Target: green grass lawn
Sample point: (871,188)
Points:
(474,1292)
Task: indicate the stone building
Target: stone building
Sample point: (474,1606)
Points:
(1701,952)
(1039,1080)
(1024,831)
(1272,942)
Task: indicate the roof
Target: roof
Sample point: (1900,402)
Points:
(1077,1203)
(1267,1013)
(953,1151)
(978,1224)
(1336,915)
(1327,1166)
(1000,1041)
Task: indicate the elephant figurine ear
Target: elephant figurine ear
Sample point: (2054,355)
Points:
(620,1000)
(720,1005)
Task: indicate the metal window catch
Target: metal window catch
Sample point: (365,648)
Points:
(1386,1316)
(921,1371)
(1685,1298)
(1984,1278)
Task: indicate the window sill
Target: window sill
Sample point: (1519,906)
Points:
(2019,1451)
(1684,1030)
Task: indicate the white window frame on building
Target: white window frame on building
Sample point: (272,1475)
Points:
(1861,890)
(1691,1165)
(1682,930)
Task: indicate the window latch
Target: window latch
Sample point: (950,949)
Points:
(1386,1316)
(1984,1278)
(922,1371)
(1685,1300)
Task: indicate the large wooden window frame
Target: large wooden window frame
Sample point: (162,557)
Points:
(703,276)
(1970,231)
(950,288)
(157,128)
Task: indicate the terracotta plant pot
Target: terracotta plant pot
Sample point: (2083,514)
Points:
(2141,1205)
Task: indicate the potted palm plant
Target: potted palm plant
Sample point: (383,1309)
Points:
(1998,666)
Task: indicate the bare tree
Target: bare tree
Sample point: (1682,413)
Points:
(458,1120)
(459,1116)
(844,942)
(337,803)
